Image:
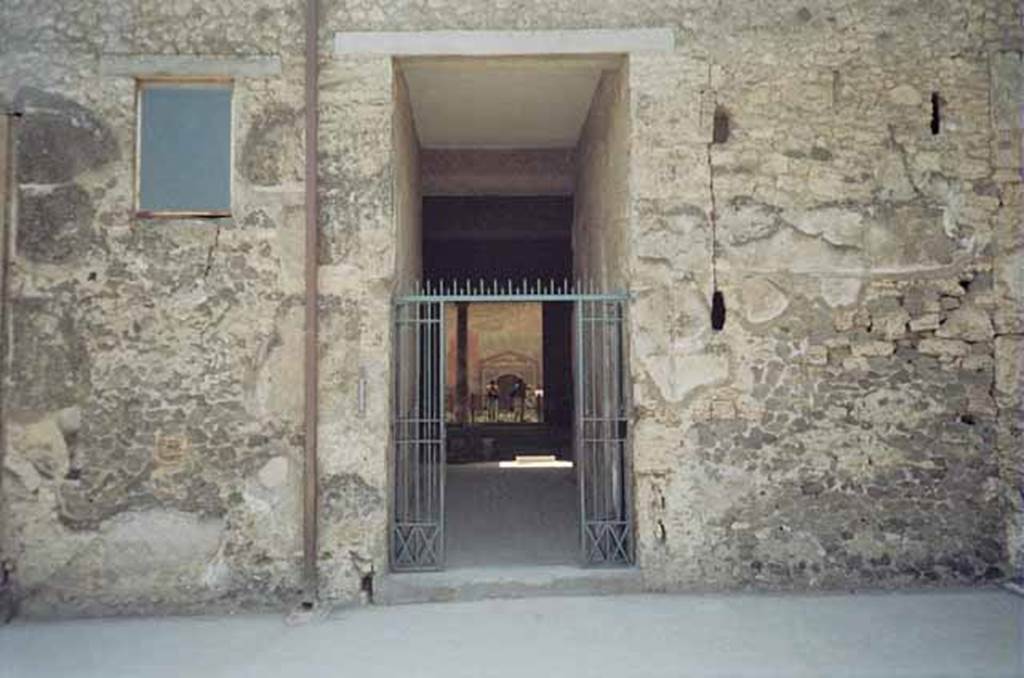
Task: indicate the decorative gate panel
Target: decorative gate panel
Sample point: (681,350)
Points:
(417,535)
(601,429)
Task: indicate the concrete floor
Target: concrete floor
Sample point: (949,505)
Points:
(500,517)
(977,634)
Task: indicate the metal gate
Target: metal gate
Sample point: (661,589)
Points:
(418,425)
(601,427)
(417,537)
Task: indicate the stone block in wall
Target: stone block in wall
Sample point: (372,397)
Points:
(1008,319)
(872,348)
(50,365)
(908,235)
(840,291)
(925,323)
(1007,89)
(967,323)
(890,325)
(762,300)
(58,138)
(1009,370)
(270,153)
(977,363)
(848,319)
(816,355)
(54,226)
(673,232)
(947,348)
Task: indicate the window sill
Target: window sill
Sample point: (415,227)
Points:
(146,214)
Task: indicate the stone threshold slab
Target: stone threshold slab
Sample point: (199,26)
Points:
(481,583)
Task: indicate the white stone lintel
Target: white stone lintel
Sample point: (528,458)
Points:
(189,66)
(504,43)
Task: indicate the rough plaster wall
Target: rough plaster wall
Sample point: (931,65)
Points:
(601,209)
(841,430)
(154,409)
(1007,68)
(357,280)
(772,455)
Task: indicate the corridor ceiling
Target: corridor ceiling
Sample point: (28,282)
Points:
(502,103)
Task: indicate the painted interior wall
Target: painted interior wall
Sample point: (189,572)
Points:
(498,334)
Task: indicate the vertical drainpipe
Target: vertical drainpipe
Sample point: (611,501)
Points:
(309,506)
(8,127)
(7,119)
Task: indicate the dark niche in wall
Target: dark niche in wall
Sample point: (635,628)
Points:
(720,134)
(717,311)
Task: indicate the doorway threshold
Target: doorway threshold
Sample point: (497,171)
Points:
(512,581)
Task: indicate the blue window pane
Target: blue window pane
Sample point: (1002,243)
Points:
(185,148)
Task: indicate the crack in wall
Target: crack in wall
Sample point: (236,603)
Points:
(211,251)
(713,214)
(905,161)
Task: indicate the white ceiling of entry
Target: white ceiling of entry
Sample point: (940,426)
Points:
(501,103)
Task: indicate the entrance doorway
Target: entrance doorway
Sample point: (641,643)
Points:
(422,521)
(510,413)
(511,489)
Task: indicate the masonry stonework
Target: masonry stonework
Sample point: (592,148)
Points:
(857,422)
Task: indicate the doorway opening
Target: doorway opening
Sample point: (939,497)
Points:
(509,392)
(510,408)
(511,488)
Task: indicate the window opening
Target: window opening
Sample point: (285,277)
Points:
(183,163)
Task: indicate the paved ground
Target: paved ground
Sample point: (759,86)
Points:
(496,516)
(972,634)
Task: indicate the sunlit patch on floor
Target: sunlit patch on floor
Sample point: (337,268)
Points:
(536,461)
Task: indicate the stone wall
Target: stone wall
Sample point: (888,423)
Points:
(856,423)
(1007,146)
(841,430)
(153,394)
(359,255)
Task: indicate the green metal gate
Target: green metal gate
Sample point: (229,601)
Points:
(601,417)
(417,537)
(601,432)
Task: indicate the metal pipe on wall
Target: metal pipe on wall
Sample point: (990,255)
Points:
(309,506)
(8,130)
